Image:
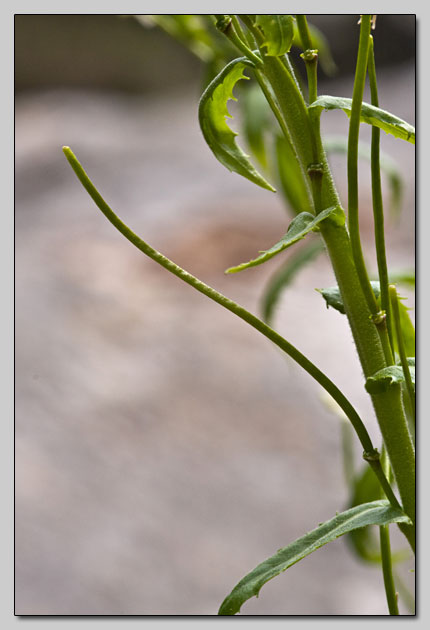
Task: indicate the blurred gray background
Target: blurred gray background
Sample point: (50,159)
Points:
(164,448)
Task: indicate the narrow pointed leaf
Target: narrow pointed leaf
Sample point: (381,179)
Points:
(369,114)
(278,32)
(388,376)
(374,513)
(285,275)
(218,135)
(300,226)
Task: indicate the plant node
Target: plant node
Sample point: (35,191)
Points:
(378,318)
(372,455)
(309,55)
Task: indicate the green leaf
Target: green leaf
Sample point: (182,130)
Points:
(385,378)
(300,226)
(218,135)
(369,114)
(278,32)
(374,513)
(291,179)
(334,299)
(339,144)
(285,275)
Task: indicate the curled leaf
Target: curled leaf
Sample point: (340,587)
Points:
(299,227)
(369,114)
(373,513)
(278,32)
(218,135)
(385,378)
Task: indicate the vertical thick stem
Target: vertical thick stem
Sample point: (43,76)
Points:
(359,301)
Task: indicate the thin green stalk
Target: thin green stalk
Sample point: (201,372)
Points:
(378,208)
(310,57)
(354,130)
(401,348)
(386,556)
(225,25)
(245,36)
(371,454)
(387,570)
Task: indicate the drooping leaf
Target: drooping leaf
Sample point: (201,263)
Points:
(285,275)
(383,379)
(218,135)
(374,513)
(299,227)
(369,114)
(291,179)
(339,144)
(318,42)
(278,32)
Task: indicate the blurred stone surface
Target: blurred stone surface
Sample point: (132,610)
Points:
(163,447)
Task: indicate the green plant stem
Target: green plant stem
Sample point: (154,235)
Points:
(244,36)
(226,25)
(386,556)
(378,208)
(401,348)
(255,322)
(354,129)
(387,570)
(388,405)
(310,58)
